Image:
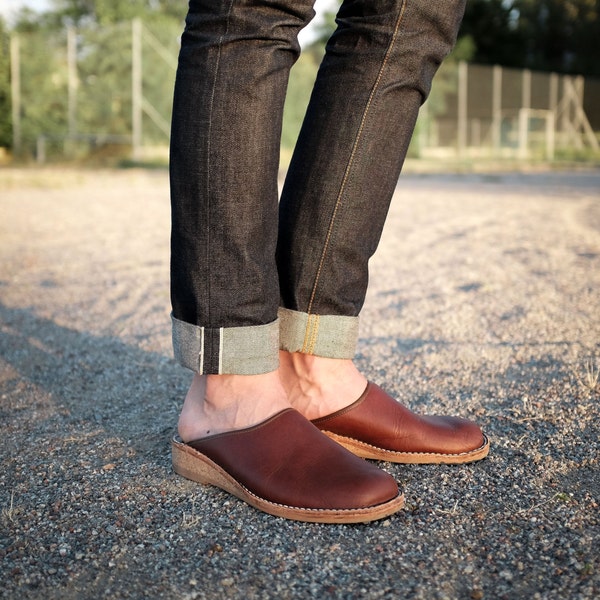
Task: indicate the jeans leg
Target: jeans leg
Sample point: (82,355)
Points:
(231,82)
(376,74)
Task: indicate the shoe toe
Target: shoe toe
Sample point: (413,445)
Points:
(452,435)
(370,486)
(470,434)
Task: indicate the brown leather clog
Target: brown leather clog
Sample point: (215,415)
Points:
(286,467)
(377,426)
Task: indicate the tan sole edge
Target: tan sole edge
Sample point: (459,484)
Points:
(365,450)
(191,464)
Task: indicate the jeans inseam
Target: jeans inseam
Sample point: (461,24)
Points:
(313,320)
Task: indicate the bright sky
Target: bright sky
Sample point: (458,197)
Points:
(9,7)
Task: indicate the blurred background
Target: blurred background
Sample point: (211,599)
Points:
(90,82)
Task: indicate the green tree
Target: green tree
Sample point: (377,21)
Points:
(491,26)
(43,79)
(103,109)
(560,35)
(546,35)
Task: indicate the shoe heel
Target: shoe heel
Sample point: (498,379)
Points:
(196,467)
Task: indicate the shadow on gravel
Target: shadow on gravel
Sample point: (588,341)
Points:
(85,426)
(85,383)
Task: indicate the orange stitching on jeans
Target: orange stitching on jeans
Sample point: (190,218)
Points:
(313,339)
(310,334)
(353,154)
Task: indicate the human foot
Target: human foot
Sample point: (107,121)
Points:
(218,403)
(240,434)
(375,425)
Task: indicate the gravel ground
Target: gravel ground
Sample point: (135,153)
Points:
(484,302)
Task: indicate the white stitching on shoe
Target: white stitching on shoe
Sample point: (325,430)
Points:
(403,453)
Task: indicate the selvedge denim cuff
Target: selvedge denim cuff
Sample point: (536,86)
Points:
(226,350)
(330,336)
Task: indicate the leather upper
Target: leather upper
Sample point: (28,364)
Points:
(377,419)
(287,460)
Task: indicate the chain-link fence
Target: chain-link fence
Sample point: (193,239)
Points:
(477,111)
(93,91)
(108,92)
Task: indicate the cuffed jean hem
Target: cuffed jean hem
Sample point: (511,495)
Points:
(226,350)
(330,336)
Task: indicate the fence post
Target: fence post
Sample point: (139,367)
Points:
(40,150)
(586,128)
(552,122)
(462,107)
(136,87)
(550,135)
(497,109)
(524,114)
(72,81)
(15,92)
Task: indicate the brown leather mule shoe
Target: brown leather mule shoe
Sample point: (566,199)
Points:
(286,467)
(377,426)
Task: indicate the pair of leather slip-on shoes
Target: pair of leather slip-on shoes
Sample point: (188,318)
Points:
(286,467)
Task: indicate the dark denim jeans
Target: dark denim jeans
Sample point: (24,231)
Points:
(249,274)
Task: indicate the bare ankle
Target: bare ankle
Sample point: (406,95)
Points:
(318,386)
(218,403)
